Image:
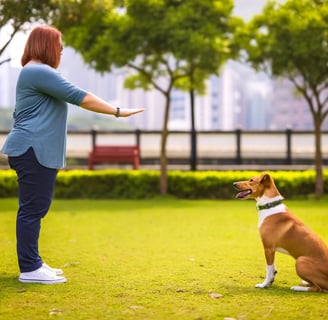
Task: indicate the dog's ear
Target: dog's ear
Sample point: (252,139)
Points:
(266,179)
(270,186)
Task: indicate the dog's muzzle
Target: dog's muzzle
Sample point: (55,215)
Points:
(242,193)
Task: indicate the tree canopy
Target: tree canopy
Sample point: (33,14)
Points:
(152,35)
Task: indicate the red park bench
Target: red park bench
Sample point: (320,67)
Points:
(114,154)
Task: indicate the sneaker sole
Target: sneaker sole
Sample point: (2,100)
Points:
(42,281)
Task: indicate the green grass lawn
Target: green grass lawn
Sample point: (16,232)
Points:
(156,259)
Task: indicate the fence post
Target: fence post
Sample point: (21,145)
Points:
(138,134)
(93,137)
(238,146)
(289,146)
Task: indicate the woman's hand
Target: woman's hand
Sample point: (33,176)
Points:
(124,112)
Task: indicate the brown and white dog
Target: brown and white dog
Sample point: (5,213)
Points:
(281,231)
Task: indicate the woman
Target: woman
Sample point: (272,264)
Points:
(36,144)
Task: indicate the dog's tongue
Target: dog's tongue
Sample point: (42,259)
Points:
(243,194)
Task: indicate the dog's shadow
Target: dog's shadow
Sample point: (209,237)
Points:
(272,290)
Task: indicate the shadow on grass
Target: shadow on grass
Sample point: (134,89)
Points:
(10,284)
(271,291)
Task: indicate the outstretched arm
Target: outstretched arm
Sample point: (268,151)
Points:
(93,103)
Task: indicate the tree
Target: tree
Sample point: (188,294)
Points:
(290,40)
(181,42)
(16,15)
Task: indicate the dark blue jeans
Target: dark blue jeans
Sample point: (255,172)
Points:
(35,191)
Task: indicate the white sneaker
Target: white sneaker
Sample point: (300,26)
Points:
(57,272)
(41,275)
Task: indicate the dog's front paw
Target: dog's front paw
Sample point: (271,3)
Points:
(262,285)
(265,283)
(270,274)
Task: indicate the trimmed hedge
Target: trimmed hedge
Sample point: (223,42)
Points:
(142,184)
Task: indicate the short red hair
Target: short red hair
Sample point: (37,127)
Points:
(43,44)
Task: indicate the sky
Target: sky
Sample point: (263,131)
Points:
(247,8)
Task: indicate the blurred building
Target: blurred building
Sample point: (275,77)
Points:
(289,111)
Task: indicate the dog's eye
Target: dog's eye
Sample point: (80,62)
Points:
(251,180)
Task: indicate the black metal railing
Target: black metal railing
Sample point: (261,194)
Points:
(236,147)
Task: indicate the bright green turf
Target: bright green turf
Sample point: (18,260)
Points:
(156,259)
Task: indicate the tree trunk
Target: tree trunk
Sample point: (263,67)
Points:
(193,150)
(319,185)
(163,156)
